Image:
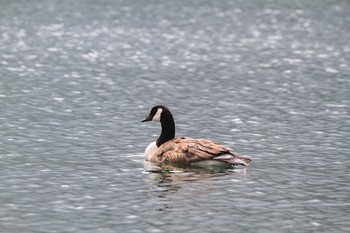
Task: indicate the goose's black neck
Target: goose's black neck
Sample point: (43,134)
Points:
(168,128)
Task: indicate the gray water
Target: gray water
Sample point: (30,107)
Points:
(270,79)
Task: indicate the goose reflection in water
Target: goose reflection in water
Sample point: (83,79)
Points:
(174,188)
(170,178)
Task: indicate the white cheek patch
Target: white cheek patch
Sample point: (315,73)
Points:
(156,116)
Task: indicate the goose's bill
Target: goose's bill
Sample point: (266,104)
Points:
(147,118)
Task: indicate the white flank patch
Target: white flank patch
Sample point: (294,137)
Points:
(151,148)
(156,116)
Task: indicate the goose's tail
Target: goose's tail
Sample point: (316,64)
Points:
(239,160)
(233,159)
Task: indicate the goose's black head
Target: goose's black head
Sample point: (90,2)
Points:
(157,113)
(162,114)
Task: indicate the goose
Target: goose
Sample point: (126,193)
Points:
(168,149)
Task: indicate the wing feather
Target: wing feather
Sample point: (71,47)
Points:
(188,150)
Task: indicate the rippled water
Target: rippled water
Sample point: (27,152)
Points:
(269,78)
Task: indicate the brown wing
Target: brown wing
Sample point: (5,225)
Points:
(188,150)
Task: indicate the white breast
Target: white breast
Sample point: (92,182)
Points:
(150,149)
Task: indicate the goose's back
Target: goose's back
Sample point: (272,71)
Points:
(189,150)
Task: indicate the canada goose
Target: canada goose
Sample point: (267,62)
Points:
(183,150)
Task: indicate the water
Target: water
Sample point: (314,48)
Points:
(269,78)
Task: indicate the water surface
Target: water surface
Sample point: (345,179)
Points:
(268,78)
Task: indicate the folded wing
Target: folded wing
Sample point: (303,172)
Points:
(188,150)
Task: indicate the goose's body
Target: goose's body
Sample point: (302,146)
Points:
(182,150)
